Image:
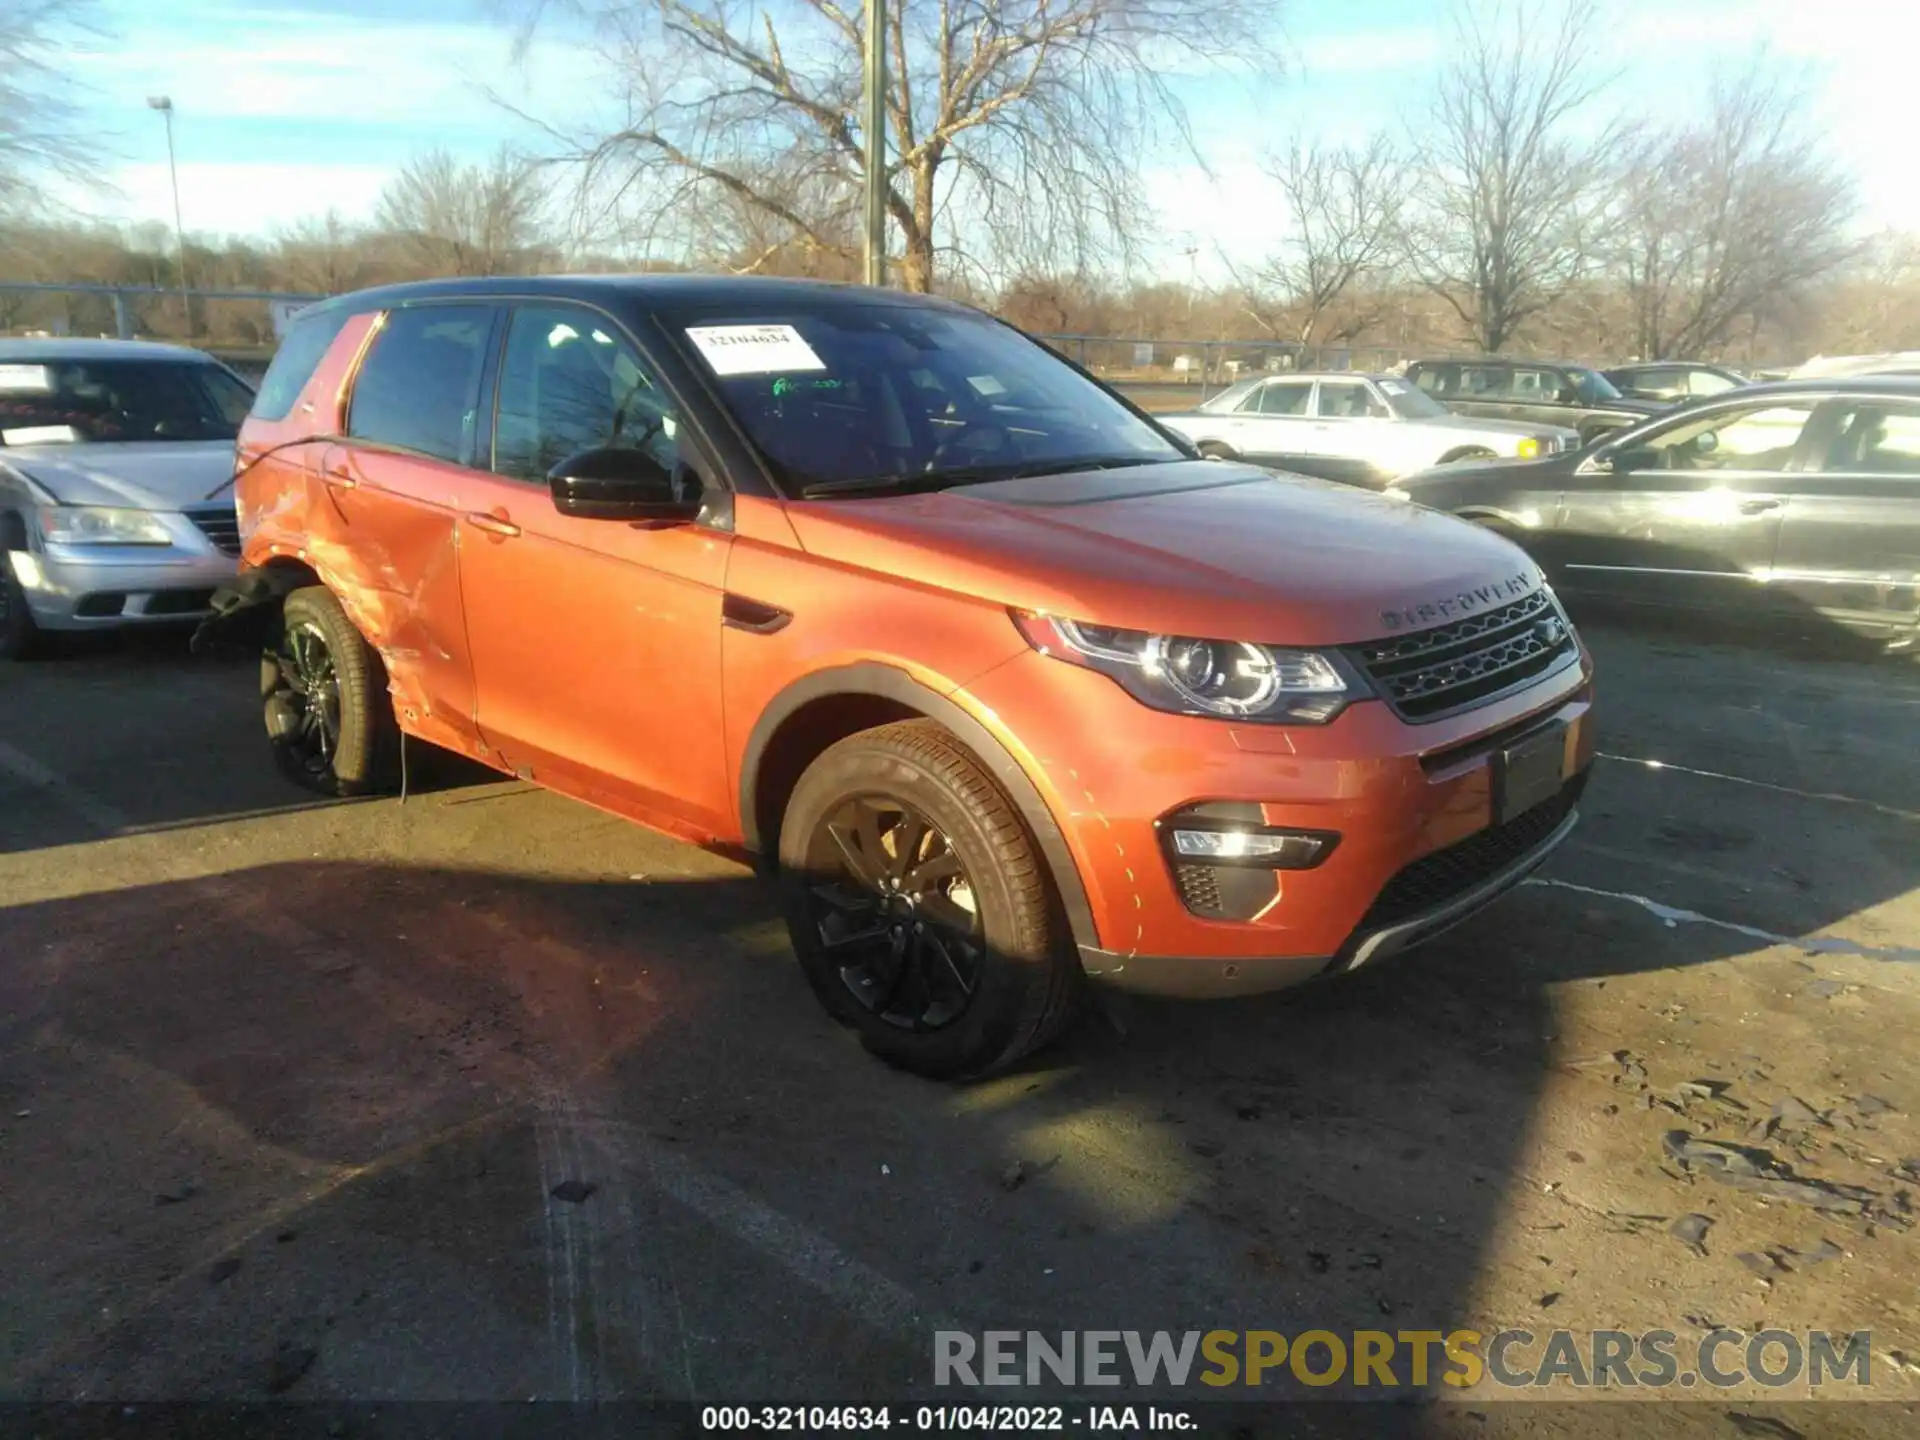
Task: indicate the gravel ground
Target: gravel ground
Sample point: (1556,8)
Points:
(485,1095)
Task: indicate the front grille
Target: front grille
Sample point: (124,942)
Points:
(1199,890)
(221,525)
(1430,674)
(1433,880)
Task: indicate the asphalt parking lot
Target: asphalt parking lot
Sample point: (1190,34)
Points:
(287,1090)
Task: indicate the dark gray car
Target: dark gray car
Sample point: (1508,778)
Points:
(1540,392)
(1795,497)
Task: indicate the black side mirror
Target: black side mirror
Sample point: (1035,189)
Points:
(612,484)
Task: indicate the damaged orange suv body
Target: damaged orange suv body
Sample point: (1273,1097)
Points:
(1006,685)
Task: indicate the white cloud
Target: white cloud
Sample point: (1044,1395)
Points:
(234,199)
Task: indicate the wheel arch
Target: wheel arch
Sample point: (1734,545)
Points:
(1461,452)
(246,611)
(829,705)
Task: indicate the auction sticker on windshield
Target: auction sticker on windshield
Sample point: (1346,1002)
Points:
(753,349)
(25,377)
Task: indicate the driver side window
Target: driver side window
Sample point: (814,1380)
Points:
(1762,438)
(570,382)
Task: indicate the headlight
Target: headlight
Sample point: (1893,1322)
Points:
(100,525)
(1528,448)
(1233,679)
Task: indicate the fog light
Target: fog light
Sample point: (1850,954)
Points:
(1278,850)
(1528,448)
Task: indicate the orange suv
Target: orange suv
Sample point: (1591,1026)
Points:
(1005,683)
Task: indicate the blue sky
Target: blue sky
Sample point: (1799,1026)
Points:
(286,108)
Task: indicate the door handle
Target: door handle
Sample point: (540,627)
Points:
(1758,507)
(339,479)
(492,524)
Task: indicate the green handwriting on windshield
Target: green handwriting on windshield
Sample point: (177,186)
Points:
(786,385)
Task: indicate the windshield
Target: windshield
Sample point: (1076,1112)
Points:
(84,402)
(1592,387)
(1411,403)
(835,394)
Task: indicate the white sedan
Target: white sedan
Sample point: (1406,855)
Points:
(1361,429)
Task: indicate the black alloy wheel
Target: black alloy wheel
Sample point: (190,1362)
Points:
(310,738)
(895,910)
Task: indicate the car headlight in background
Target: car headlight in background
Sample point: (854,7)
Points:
(101,525)
(1231,679)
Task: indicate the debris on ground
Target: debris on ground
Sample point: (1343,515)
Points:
(1746,1168)
(1825,989)
(179,1194)
(1715,1090)
(573,1192)
(223,1270)
(1550,1299)
(1014,1176)
(1871,1105)
(1691,1231)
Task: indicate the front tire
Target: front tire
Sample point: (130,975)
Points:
(919,906)
(1470,452)
(1214,450)
(324,695)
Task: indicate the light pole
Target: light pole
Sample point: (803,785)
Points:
(164,104)
(874,122)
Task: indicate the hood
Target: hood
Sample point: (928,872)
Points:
(159,475)
(1221,551)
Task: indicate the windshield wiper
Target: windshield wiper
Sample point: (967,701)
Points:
(972,475)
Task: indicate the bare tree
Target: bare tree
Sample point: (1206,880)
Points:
(322,254)
(456,219)
(40,130)
(1512,189)
(1015,125)
(1725,218)
(1345,204)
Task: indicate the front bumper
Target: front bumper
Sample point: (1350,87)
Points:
(1413,805)
(105,587)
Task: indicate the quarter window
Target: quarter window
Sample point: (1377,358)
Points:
(1707,382)
(299,355)
(417,386)
(569,382)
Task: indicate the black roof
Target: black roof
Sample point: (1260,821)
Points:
(648,289)
(1505,360)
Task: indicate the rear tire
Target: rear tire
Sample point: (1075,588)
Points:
(919,906)
(20,638)
(324,694)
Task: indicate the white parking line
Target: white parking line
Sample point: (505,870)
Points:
(1672,915)
(1892,810)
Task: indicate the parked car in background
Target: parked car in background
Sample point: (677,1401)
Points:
(1361,429)
(1673,382)
(1540,393)
(1004,683)
(1796,497)
(1826,367)
(113,458)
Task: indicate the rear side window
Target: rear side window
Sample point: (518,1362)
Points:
(1434,379)
(293,365)
(418,386)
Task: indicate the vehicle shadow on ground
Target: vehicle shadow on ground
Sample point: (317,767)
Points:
(129,720)
(322,1111)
